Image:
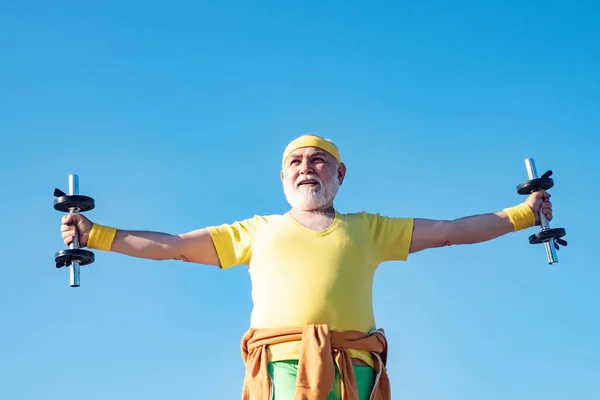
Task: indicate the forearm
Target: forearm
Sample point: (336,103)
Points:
(429,233)
(479,228)
(146,244)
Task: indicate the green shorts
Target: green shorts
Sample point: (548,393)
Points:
(283,376)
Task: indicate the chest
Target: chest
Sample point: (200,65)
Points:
(292,253)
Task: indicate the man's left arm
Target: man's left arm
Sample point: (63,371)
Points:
(429,233)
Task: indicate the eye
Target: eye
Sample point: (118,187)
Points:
(294,162)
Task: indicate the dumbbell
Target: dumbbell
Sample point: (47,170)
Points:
(74,257)
(551,237)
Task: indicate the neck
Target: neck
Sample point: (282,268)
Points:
(327,210)
(316,219)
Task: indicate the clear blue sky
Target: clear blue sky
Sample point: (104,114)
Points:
(175,115)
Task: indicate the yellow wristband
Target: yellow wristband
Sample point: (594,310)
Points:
(521,217)
(101,237)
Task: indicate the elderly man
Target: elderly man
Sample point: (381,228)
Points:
(313,333)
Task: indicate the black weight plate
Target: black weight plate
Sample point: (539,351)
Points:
(65,203)
(65,257)
(547,235)
(535,184)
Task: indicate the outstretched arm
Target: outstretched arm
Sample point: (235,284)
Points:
(196,246)
(429,233)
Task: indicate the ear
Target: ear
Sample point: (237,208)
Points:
(281,175)
(341,172)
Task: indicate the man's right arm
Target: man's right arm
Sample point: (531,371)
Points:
(195,246)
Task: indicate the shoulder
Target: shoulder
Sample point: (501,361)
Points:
(266,219)
(255,221)
(378,223)
(244,228)
(371,217)
(356,216)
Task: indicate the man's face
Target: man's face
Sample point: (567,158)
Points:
(311,178)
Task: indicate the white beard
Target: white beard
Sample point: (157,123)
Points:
(311,198)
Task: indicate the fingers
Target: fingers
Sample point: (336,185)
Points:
(68,236)
(70,218)
(547,210)
(68,233)
(542,195)
(546,196)
(540,200)
(72,224)
(73,219)
(68,228)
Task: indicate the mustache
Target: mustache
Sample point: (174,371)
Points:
(309,177)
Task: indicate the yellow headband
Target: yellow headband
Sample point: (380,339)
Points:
(310,141)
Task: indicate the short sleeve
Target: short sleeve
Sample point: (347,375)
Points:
(233,242)
(392,236)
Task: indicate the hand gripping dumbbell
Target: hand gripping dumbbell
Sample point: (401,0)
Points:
(550,237)
(74,257)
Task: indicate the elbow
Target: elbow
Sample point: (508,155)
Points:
(178,250)
(429,234)
(451,233)
(448,234)
(457,233)
(170,249)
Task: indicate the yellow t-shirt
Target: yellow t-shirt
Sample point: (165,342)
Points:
(301,277)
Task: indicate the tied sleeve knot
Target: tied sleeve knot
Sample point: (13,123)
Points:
(321,350)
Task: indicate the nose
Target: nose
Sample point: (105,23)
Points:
(305,167)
